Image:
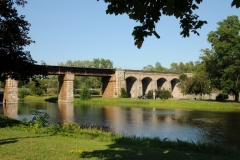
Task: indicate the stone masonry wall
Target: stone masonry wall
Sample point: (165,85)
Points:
(10,91)
(66,88)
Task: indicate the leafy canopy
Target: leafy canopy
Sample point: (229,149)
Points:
(222,62)
(148,13)
(14,61)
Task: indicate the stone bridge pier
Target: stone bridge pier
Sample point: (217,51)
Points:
(65,93)
(10,91)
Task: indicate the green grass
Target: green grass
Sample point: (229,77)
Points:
(47,98)
(131,102)
(180,104)
(29,141)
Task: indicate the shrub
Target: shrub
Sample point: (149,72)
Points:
(221,97)
(160,93)
(37,91)
(22,93)
(150,94)
(164,94)
(85,94)
(123,93)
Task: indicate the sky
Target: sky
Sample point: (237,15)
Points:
(81,30)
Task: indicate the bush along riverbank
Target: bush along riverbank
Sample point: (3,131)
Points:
(36,139)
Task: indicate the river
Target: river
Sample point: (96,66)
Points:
(186,125)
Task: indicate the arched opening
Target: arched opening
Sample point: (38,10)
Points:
(145,85)
(175,90)
(160,83)
(173,83)
(130,84)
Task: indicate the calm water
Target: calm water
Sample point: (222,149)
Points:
(186,125)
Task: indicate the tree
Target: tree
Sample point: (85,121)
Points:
(149,12)
(89,82)
(85,94)
(38,86)
(123,93)
(102,63)
(222,62)
(158,67)
(197,84)
(14,61)
(182,83)
(189,67)
(160,93)
(22,93)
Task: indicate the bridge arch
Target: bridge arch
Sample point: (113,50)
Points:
(175,90)
(161,82)
(131,86)
(146,84)
(174,83)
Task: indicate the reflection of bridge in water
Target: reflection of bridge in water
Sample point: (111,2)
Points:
(135,82)
(11,110)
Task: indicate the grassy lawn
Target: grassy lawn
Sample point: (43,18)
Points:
(69,141)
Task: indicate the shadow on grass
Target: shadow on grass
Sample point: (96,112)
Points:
(146,148)
(14,140)
(7,141)
(5,121)
(52,99)
(213,100)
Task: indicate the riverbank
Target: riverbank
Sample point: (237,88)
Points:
(32,141)
(131,102)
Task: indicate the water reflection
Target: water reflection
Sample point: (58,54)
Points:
(10,110)
(186,125)
(66,112)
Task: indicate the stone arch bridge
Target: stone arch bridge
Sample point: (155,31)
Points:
(135,82)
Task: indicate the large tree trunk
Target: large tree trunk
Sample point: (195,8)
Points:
(236,97)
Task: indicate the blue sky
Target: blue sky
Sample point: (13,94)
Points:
(81,30)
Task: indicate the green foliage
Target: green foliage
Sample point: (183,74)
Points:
(163,94)
(221,97)
(22,93)
(160,93)
(1,84)
(85,94)
(41,119)
(150,94)
(197,84)
(37,124)
(14,37)
(158,67)
(222,61)
(123,93)
(180,67)
(89,82)
(52,81)
(37,86)
(37,91)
